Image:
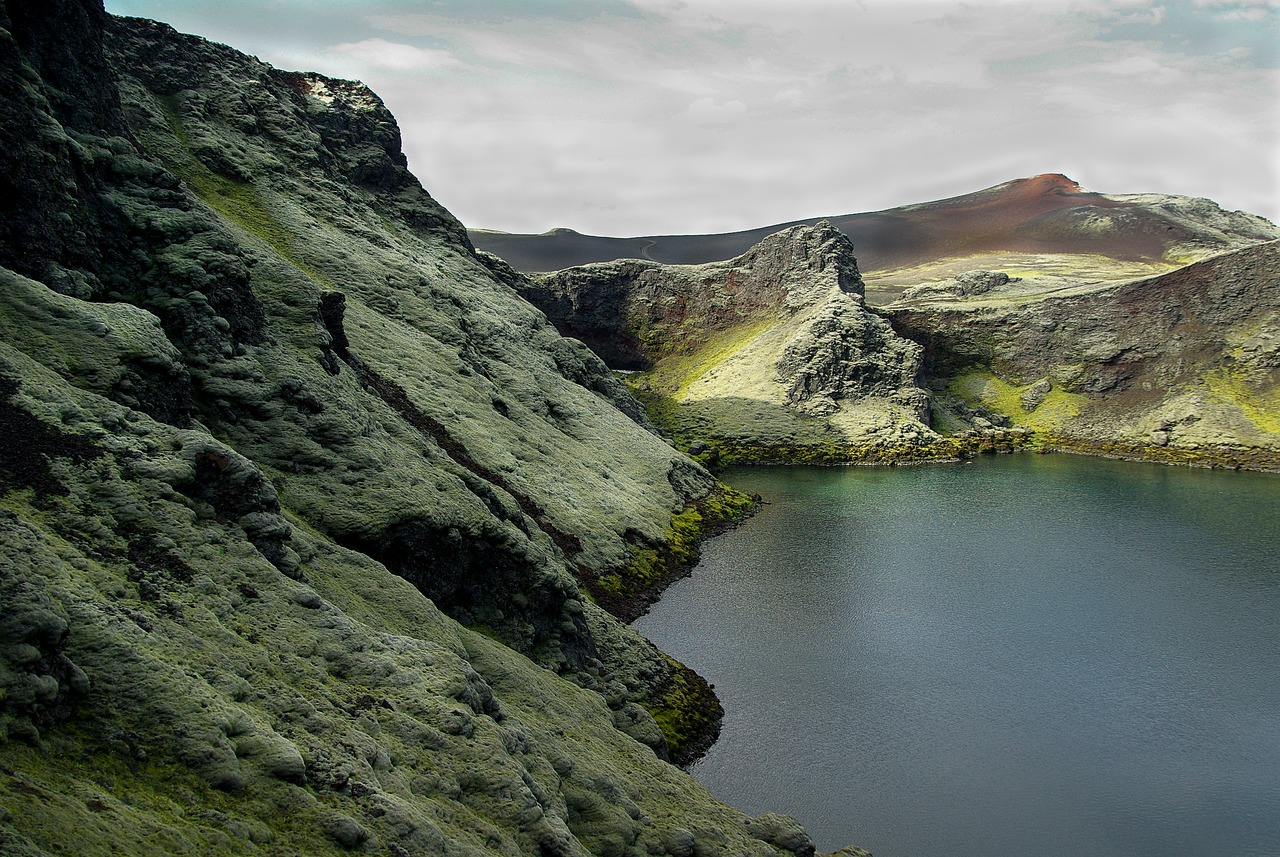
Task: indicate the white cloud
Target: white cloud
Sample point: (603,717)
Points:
(381,53)
(1145,66)
(711,115)
(709,111)
(1249,10)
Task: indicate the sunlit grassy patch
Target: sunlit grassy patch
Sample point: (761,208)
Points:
(986,390)
(674,373)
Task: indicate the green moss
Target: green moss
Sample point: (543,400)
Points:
(241,203)
(725,421)
(947,449)
(625,591)
(1215,457)
(664,412)
(984,389)
(674,372)
(82,794)
(688,713)
(1261,406)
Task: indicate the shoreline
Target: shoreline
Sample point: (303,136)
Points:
(704,707)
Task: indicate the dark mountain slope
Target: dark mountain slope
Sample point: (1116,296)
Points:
(1042,215)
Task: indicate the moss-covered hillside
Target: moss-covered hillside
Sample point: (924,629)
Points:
(296,498)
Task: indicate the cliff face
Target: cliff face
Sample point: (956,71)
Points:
(1183,367)
(770,352)
(294,493)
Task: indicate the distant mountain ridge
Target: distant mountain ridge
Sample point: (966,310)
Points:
(1042,214)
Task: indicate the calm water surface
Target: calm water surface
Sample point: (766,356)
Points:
(1022,656)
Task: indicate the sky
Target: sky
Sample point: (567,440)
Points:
(646,117)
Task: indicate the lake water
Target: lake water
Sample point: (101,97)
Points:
(1024,656)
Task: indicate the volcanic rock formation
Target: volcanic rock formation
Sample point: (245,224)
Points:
(774,356)
(1183,367)
(770,351)
(297,501)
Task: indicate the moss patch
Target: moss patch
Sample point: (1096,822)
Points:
(145,805)
(1260,405)
(241,203)
(984,389)
(1214,457)
(627,592)
(688,713)
(946,449)
(673,373)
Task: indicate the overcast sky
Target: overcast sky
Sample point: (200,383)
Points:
(635,117)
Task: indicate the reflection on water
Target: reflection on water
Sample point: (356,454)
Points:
(1028,655)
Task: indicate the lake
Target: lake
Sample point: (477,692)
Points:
(1021,656)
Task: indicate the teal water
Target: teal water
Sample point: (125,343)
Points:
(1024,656)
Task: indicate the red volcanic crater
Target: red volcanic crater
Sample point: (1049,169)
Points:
(1043,214)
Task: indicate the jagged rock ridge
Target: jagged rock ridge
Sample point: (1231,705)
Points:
(773,348)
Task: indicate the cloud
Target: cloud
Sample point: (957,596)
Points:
(393,55)
(1241,10)
(712,112)
(712,115)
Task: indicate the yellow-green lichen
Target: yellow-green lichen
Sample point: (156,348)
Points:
(945,449)
(1260,405)
(241,203)
(72,797)
(675,372)
(1214,457)
(1056,409)
(652,566)
(687,711)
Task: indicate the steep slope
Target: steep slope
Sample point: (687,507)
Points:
(1046,224)
(772,356)
(294,493)
(168,690)
(1182,367)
